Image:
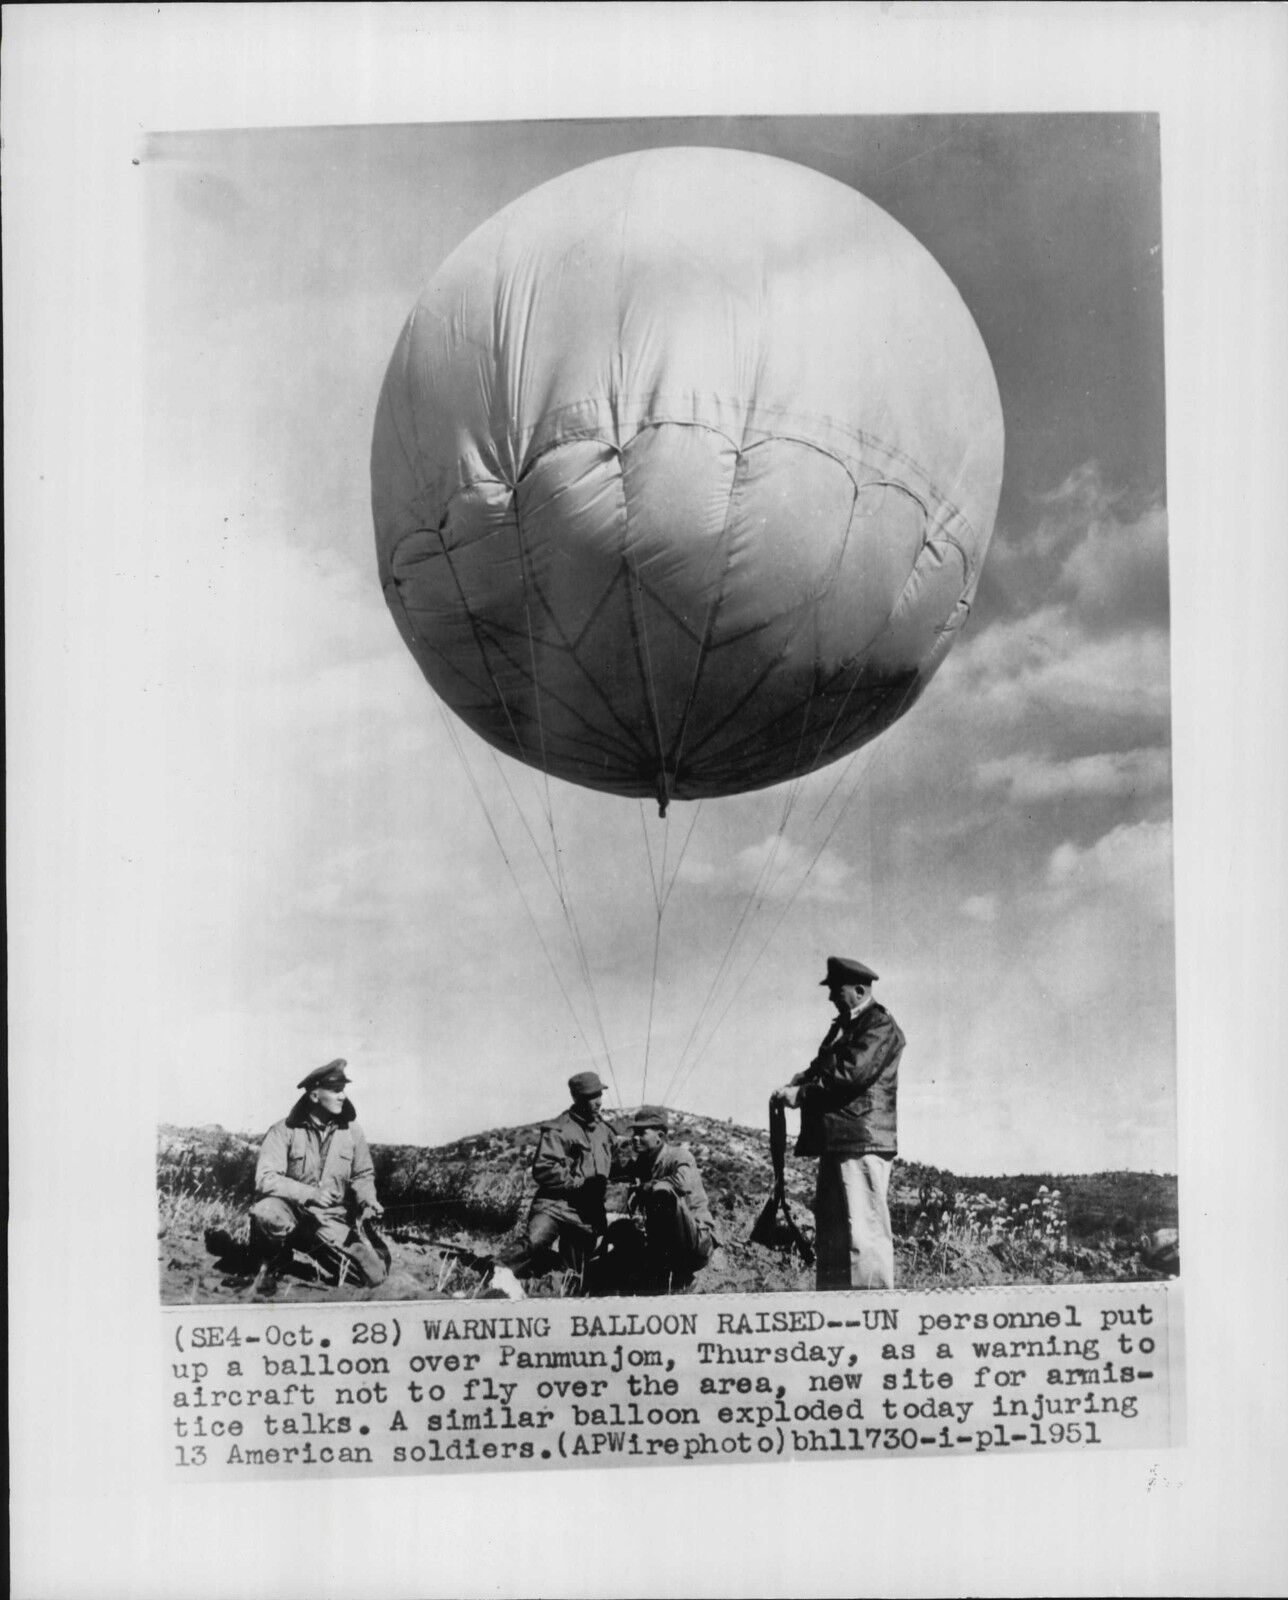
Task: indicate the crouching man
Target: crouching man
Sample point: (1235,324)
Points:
(315,1186)
(571,1169)
(673,1231)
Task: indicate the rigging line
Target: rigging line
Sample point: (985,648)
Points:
(648,851)
(536,677)
(791,899)
(635,588)
(560,891)
(827,838)
(692,1067)
(478,638)
(750,910)
(844,773)
(725,541)
(652,996)
(657,946)
(523,818)
(725,963)
(679,860)
(583,961)
(569,917)
(726,958)
(563,888)
(662,904)
(756,900)
(478,793)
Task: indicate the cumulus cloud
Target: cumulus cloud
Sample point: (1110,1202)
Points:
(1117,572)
(696,872)
(1046,664)
(388,877)
(1027,778)
(1134,856)
(775,868)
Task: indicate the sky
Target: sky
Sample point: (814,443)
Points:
(346,873)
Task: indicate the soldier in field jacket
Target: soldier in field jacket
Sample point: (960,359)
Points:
(847,1099)
(315,1181)
(669,1204)
(571,1169)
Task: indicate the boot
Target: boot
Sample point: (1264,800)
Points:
(271,1269)
(267,1259)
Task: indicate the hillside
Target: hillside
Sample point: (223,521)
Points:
(951,1231)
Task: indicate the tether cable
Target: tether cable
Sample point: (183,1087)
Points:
(563,889)
(487,814)
(873,753)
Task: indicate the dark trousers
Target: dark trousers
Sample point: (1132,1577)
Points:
(664,1253)
(676,1244)
(546,1233)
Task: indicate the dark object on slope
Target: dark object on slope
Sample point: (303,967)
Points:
(464,1255)
(775,1226)
(371,1254)
(232,1255)
(362,1261)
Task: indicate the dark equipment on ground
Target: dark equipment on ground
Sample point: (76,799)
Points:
(369,1252)
(775,1226)
(463,1253)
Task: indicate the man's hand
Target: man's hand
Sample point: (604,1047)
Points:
(371,1210)
(788,1095)
(319,1199)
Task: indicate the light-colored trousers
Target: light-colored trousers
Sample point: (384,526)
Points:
(854,1243)
(277,1220)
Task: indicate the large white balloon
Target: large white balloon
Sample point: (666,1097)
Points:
(684,469)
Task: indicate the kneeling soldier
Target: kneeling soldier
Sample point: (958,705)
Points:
(571,1168)
(315,1185)
(668,1200)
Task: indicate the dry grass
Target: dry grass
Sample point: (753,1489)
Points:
(475,1193)
(183,1213)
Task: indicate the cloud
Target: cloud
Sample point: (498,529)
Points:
(1100,933)
(980,907)
(1117,572)
(1136,857)
(1093,550)
(775,868)
(1026,777)
(1045,664)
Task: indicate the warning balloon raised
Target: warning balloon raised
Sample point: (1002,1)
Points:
(684,469)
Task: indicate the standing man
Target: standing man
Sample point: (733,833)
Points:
(315,1185)
(571,1167)
(668,1199)
(847,1098)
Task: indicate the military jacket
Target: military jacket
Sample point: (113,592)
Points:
(675,1167)
(299,1154)
(568,1154)
(849,1091)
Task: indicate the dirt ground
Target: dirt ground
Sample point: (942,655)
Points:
(190,1275)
